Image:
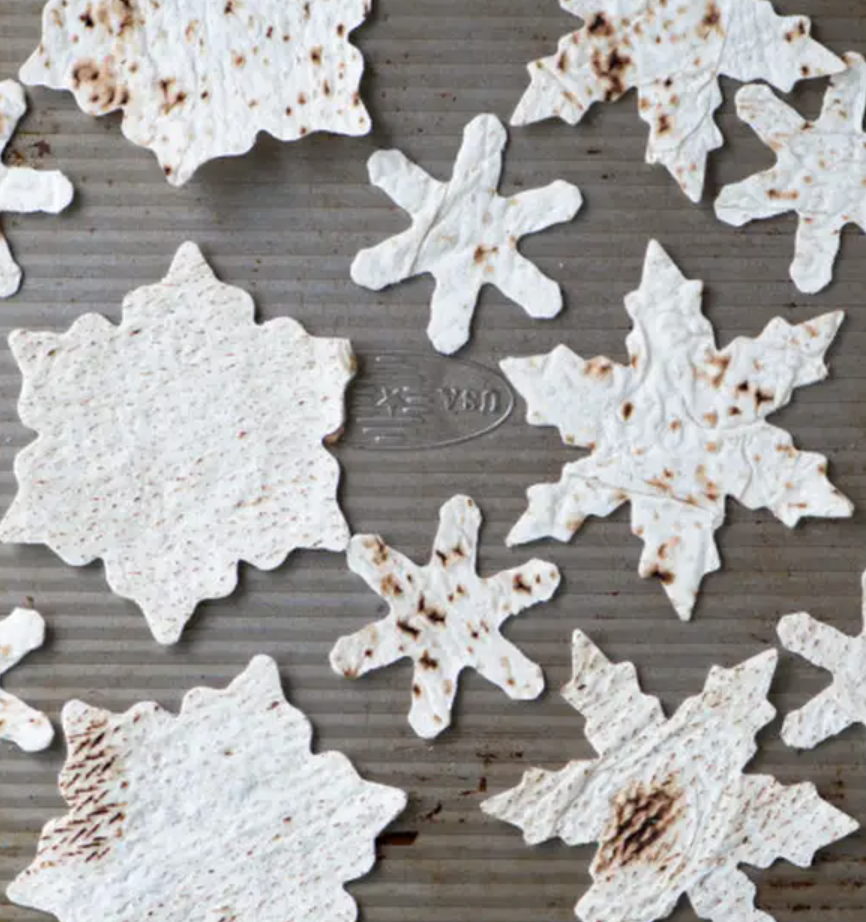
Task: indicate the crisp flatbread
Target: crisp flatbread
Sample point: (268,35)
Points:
(20,633)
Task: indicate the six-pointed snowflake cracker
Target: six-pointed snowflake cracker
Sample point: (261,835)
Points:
(677,430)
(219,814)
(666,799)
(673,53)
(465,234)
(180,442)
(820,171)
(23,190)
(197,79)
(20,633)
(843,703)
(444,617)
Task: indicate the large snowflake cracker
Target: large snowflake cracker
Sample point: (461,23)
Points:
(673,53)
(198,79)
(666,799)
(465,234)
(22,189)
(677,430)
(20,633)
(444,617)
(180,442)
(820,171)
(219,814)
(842,703)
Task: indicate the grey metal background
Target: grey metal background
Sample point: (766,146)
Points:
(284,223)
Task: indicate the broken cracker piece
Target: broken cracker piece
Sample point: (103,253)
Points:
(465,234)
(666,799)
(677,430)
(219,813)
(22,189)
(673,54)
(20,633)
(182,441)
(841,704)
(444,617)
(197,79)
(820,171)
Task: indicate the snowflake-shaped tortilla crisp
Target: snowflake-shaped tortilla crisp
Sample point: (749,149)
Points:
(666,799)
(218,814)
(20,633)
(180,442)
(198,79)
(673,53)
(820,171)
(677,430)
(444,617)
(465,234)
(23,190)
(844,702)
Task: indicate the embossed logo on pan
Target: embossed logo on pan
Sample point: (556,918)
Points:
(406,400)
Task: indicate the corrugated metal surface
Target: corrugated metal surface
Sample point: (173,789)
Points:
(284,223)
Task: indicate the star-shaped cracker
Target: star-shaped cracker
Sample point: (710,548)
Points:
(842,703)
(820,171)
(666,798)
(444,617)
(22,189)
(465,234)
(182,441)
(673,52)
(20,633)
(677,430)
(220,814)
(198,79)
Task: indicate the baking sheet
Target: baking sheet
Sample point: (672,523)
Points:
(284,223)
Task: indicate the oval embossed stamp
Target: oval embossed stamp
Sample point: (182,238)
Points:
(412,400)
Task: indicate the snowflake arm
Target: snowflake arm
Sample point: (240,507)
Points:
(150,796)
(666,799)
(674,57)
(20,633)
(819,173)
(444,617)
(22,189)
(676,430)
(195,81)
(465,234)
(175,470)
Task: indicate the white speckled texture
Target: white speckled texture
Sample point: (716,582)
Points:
(20,633)
(677,430)
(673,54)
(180,442)
(465,234)
(444,617)
(820,171)
(667,800)
(23,189)
(218,814)
(196,79)
(842,703)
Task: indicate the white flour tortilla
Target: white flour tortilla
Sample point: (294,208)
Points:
(20,633)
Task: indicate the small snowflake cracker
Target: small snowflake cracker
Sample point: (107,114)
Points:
(22,189)
(196,79)
(20,633)
(677,430)
(820,171)
(465,234)
(219,813)
(180,442)
(673,54)
(843,703)
(444,617)
(666,799)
